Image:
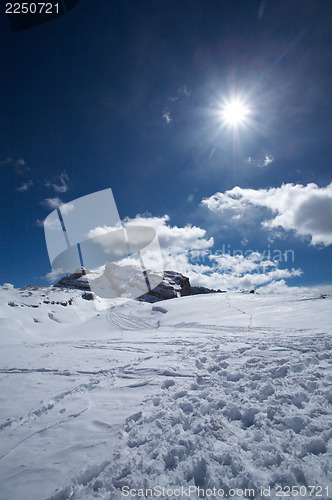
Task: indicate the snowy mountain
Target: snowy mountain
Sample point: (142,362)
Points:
(121,398)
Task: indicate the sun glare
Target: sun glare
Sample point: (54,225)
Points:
(234,113)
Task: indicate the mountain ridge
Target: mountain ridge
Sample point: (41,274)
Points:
(173,284)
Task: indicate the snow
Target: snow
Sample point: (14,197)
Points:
(230,391)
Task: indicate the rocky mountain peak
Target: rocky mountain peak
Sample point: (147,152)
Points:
(174,284)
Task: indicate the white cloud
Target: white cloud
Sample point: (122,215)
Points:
(60,185)
(54,275)
(6,161)
(189,251)
(166,115)
(66,208)
(260,162)
(304,210)
(177,238)
(232,281)
(101,230)
(182,94)
(170,110)
(18,165)
(175,242)
(25,186)
(281,287)
(241,264)
(184,91)
(52,203)
(111,239)
(52,223)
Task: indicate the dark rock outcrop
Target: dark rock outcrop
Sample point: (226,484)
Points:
(198,290)
(173,285)
(76,280)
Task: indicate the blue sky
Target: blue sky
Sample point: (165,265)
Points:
(131,95)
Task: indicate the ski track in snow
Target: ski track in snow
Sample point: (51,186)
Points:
(211,405)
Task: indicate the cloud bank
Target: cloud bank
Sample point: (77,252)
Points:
(188,250)
(306,211)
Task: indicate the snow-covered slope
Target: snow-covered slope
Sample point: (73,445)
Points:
(229,391)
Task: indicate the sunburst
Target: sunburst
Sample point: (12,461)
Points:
(235,113)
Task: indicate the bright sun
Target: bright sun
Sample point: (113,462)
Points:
(234,113)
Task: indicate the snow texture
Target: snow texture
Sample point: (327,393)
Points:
(230,391)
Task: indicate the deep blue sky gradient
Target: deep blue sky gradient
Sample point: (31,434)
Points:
(87,94)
